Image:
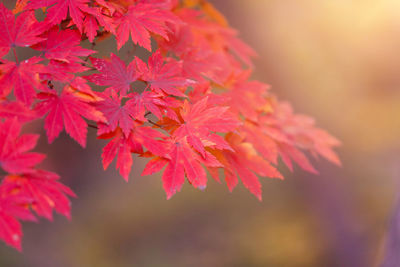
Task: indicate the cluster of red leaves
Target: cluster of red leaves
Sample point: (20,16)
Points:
(189,107)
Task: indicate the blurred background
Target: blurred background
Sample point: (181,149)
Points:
(337,61)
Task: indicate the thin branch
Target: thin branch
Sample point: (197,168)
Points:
(156,124)
(93,126)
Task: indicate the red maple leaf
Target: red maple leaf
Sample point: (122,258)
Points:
(14,155)
(293,133)
(155,103)
(22,77)
(90,27)
(100,14)
(122,146)
(262,142)
(57,10)
(241,49)
(114,74)
(162,77)
(62,45)
(10,109)
(247,97)
(62,71)
(21,31)
(13,206)
(66,110)
(197,60)
(216,35)
(140,20)
(180,159)
(45,192)
(116,114)
(201,120)
(244,162)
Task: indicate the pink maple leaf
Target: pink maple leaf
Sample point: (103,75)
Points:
(62,45)
(162,77)
(21,31)
(116,114)
(13,206)
(22,77)
(57,11)
(14,155)
(114,74)
(66,110)
(44,190)
(140,20)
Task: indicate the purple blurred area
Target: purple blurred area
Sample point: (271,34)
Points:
(337,61)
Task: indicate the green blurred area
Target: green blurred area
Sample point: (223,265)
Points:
(334,60)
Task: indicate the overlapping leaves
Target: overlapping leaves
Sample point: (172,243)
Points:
(190,107)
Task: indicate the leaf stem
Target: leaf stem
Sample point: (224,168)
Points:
(93,126)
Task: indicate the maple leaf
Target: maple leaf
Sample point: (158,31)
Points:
(198,60)
(14,155)
(114,74)
(101,14)
(204,89)
(218,37)
(199,63)
(57,11)
(140,20)
(90,27)
(21,31)
(180,40)
(156,103)
(10,109)
(62,45)
(66,110)
(199,121)
(162,77)
(117,115)
(44,190)
(180,160)
(245,163)
(13,206)
(289,153)
(247,98)
(241,49)
(122,146)
(61,71)
(10,227)
(293,133)
(174,174)
(22,77)
(262,142)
